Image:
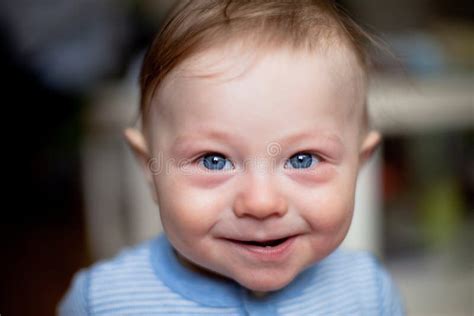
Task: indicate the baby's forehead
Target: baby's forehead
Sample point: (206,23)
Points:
(236,73)
(223,62)
(235,58)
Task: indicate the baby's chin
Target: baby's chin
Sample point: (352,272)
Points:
(265,278)
(265,281)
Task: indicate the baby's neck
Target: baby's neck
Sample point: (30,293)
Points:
(259,294)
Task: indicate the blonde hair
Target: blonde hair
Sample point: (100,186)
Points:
(196,25)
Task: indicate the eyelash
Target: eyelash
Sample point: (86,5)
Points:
(200,160)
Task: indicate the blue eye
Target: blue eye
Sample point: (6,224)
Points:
(302,161)
(216,162)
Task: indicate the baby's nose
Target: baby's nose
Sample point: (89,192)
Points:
(259,198)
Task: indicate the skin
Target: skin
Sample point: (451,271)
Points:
(257,112)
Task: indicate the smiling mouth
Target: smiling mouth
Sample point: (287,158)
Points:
(268,243)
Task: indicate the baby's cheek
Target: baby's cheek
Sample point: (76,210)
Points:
(189,210)
(328,212)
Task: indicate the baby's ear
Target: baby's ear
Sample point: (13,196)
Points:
(139,146)
(369,145)
(137,143)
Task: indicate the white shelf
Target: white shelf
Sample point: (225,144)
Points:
(403,105)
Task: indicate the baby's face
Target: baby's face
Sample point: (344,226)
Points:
(258,160)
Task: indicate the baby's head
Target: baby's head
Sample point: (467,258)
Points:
(254,130)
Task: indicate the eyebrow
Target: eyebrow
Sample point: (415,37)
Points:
(332,137)
(184,141)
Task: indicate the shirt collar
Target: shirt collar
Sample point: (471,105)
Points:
(212,291)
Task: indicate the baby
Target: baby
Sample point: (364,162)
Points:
(254,129)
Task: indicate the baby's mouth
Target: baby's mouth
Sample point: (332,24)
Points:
(267,243)
(269,250)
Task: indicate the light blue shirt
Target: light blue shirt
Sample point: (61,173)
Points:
(149,280)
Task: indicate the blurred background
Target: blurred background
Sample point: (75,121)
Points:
(74,194)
